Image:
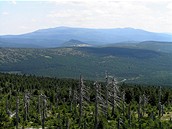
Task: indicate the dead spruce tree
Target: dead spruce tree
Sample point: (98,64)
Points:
(123,103)
(70,98)
(111,94)
(6,107)
(144,103)
(17,111)
(160,106)
(43,109)
(129,114)
(139,112)
(106,95)
(8,112)
(26,105)
(114,94)
(97,98)
(57,96)
(39,104)
(100,103)
(143,100)
(114,97)
(75,99)
(83,97)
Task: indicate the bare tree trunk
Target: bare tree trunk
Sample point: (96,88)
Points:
(162,110)
(113,101)
(123,103)
(7,108)
(143,107)
(139,112)
(129,113)
(96,106)
(57,96)
(27,105)
(106,102)
(39,110)
(114,95)
(43,115)
(160,94)
(106,96)
(80,100)
(159,103)
(71,98)
(25,108)
(17,109)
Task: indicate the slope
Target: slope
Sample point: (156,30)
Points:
(135,65)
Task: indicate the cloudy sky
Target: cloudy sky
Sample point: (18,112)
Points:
(22,16)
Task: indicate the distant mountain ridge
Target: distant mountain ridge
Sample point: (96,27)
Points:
(56,37)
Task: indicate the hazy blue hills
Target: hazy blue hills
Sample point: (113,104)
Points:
(56,37)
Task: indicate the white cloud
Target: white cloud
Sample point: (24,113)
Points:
(151,15)
(24,27)
(33,20)
(148,14)
(13,2)
(5,13)
(169,6)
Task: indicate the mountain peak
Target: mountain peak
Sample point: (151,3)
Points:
(75,43)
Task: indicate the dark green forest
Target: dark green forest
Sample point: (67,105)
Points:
(42,102)
(135,65)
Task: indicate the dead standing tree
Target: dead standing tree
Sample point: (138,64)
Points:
(160,106)
(97,98)
(111,94)
(8,105)
(26,105)
(57,96)
(70,98)
(100,103)
(43,109)
(144,103)
(143,100)
(17,110)
(83,98)
(106,95)
(114,94)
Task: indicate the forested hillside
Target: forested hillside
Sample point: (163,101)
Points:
(139,66)
(43,102)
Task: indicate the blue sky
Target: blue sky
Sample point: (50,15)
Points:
(21,16)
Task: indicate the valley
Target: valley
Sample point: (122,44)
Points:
(140,66)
